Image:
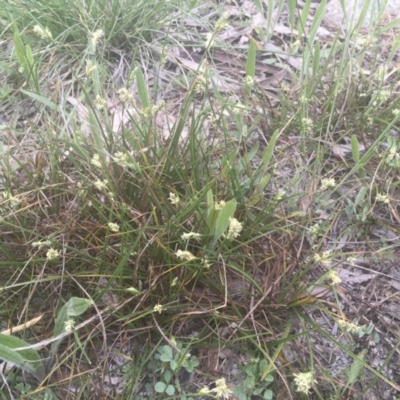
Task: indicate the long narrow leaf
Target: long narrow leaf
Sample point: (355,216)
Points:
(316,58)
(223,219)
(355,149)
(210,209)
(292,5)
(142,89)
(303,19)
(74,307)
(319,15)
(33,73)
(26,359)
(40,99)
(20,51)
(251,59)
(269,150)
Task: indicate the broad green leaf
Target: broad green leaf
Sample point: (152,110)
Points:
(395,47)
(316,22)
(40,99)
(210,201)
(259,6)
(271,10)
(251,59)
(26,60)
(173,365)
(363,14)
(253,151)
(316,58)
(269,150)
(269,378)
(170,390)
(62,317)
(96,79)
(251,64)
(167,375)
(160,387)
(191,364)
(77,306)
(301,26)
(355,149)
(96,130)
(29,55)
(391,25)
(263,183)
(223,219)
(292,4)
(268,394)
(167,354)
(27,359)
(20,51)
(74,307)
(263,366)
(210,210)
(142,89)
(179,126)
(33,75)
(356,368)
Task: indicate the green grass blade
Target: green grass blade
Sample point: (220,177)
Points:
(395,48)
(251,59)
(301,26)
(259,6)
(48,103)
(316,58)
(319,15)
(292,5)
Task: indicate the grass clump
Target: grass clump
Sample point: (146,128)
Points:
(191,248)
